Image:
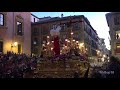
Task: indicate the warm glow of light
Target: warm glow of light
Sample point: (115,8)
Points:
(118,46)
(81,44)
(66,40)
(73,40)
(103,59)
(51,48)
(104,56)
(52,41)
(48,37)
(15,43)
(98,52)
(48,43)
(71,33)
(65,46)
(43,44)
(76,41)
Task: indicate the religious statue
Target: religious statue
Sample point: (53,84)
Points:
(55,34)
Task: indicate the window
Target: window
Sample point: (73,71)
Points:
(35,50)
(117,34)
(118,45)
(36,31)
(63,26)
(1,19)
(117,48)
(19,28)
(76,26)
(116,20)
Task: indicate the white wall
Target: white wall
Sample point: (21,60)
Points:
(32,19)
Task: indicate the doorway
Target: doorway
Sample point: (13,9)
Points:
(1,46)
(19,48)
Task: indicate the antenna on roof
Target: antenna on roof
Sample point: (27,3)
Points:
(61,15)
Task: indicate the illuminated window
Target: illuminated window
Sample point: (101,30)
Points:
(19,28)
(1,19)
(117,34)
(118,45)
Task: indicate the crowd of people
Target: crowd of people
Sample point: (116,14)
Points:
(108,70)
(16,65)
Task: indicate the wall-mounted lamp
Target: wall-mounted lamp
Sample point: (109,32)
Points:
(14,44)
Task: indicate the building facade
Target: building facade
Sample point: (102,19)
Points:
(34,18)
(104,51)
(83,32)
(15,32)
(113,20)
